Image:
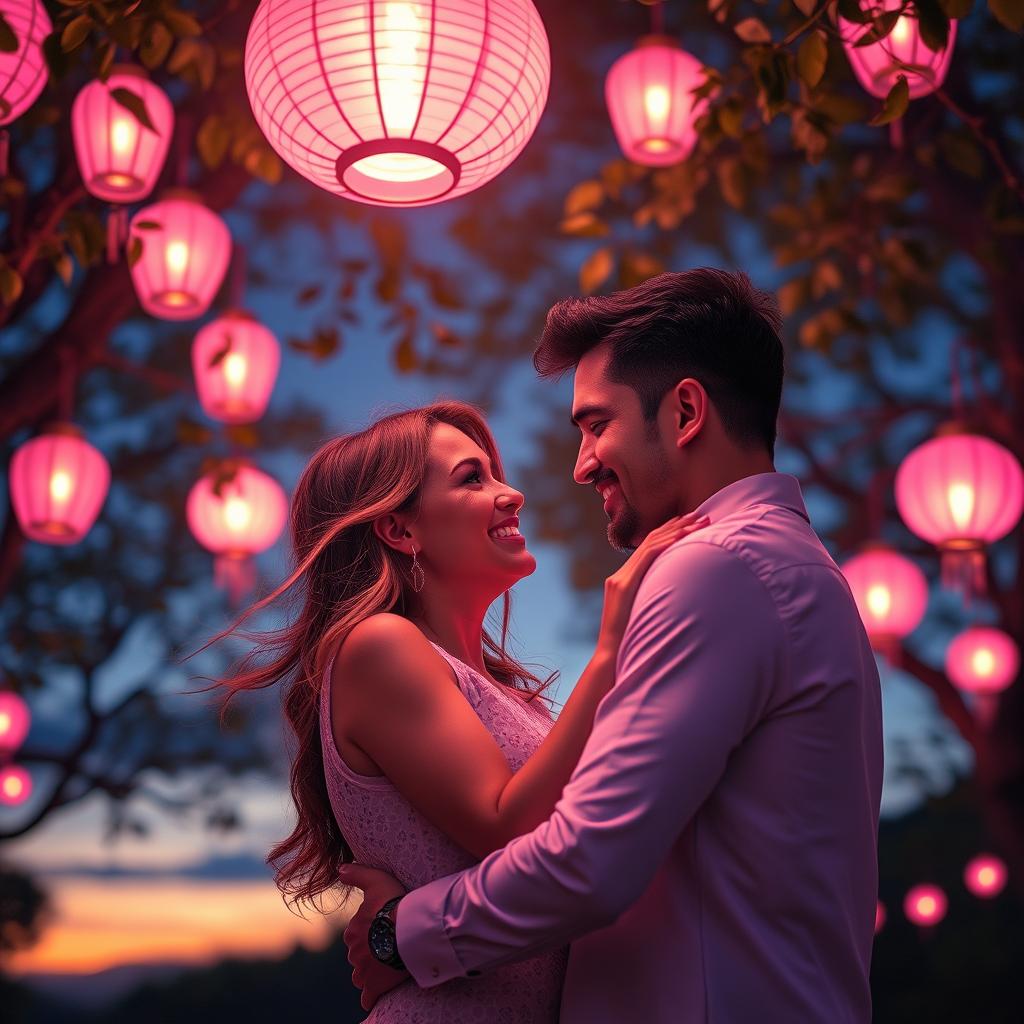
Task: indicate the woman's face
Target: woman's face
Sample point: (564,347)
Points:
(467,532)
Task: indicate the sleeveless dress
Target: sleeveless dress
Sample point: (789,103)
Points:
(385,831)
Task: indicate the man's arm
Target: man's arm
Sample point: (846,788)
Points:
(695,673)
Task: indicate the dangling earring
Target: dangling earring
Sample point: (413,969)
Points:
(419,577)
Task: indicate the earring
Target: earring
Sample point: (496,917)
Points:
(419,577)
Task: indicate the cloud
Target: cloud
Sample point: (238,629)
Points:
(225,868)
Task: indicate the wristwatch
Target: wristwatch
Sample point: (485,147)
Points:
(382,942)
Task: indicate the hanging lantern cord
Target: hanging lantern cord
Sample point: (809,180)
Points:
(239,269)
(66,396)
(117,231)
(184,148)
(5,147)
(658,18)
(955,381)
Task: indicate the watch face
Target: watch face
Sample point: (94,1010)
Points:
(382,939)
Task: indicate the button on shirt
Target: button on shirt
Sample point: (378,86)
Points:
(713,858)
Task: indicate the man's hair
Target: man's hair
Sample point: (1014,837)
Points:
(707,324)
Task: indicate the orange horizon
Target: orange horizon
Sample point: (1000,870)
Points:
(99,924)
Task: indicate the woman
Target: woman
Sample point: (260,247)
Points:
(422,744)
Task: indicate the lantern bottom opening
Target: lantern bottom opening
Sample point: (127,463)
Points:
(175,304)
(117,186)
(52,531)
(398,171)
(234,411)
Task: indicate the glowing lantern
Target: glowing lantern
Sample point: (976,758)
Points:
(14,721)
(119,159)
(15,785)
(235,360)
(650,101)
(243,519)
(925,905)
(58,483)
(985,876)
(901,52)
(397,102)
(982,660)
(879,916)
(960,491)
(23,73)
(891,595)
(184,256)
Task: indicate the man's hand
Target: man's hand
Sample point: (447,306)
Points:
(368,973)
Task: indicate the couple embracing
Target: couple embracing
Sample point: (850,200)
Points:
(693,838)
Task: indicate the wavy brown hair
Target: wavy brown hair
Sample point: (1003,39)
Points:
(342,574)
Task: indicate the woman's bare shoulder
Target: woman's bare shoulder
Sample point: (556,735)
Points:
(387,649)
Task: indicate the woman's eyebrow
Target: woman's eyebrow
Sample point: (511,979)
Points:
(472,459)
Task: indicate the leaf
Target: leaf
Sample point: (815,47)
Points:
(134,250)
(806,7)
(730,118)
(325,342)
(190,432)
(811,58)
(934,24)
(221,354)
(732,182)
(963,154)
(792,295)
(212,141)
(8,40)
(636,267)
(445,335)
(105,59)
(64,267)
(852,11)
(148,225)
(585,196)
(264,164)
(156,44)
(134,103)
(810,134)
(883,24)
(75,32)
(181,24)
(825,278)
(1009,13)
(595,270)
(584,225)
(896,103)
(10,285)
(244,435)
(405,355)
(307,295)
(753,30)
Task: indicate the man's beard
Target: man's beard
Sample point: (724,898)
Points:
(623,528)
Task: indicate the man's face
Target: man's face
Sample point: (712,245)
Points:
(624,457)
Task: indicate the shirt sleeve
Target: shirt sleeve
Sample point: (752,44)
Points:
(694,675)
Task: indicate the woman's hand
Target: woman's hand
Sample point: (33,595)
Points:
(620,588)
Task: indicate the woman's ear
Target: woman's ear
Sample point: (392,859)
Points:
(391,529)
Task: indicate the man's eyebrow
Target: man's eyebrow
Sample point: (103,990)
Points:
(473,459)
(587,410)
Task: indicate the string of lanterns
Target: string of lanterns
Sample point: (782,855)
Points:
(926,904)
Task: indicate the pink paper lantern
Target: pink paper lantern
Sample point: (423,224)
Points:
(982,660)
(15,785)
(235,361)
(23,73)
(14,722)
(925,905)
(650,101)
(245,518)
(891,594)
(960,491)
(58,483)
(397,103)
(879,916)
(183,260)
(119,159)
(985,876)
(902,52)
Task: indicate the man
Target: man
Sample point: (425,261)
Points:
(713,857)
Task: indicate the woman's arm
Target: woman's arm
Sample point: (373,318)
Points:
(401,708)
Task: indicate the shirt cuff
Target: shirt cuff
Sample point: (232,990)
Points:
(420,934)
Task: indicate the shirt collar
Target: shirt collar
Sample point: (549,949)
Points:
(760,489)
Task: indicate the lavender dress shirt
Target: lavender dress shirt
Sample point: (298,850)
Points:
(713,858)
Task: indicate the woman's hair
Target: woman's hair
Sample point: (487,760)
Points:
(705,323)
(343,573)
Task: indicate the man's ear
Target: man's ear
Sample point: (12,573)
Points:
(691,410)
(392,530)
